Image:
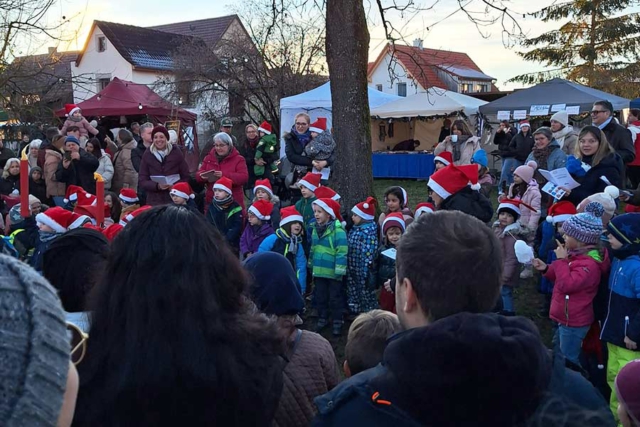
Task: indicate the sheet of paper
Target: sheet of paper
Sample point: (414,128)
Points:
(504,115)
(325,172)
(560,177)
(558,107)
(519,114)
(391,253)
(165,180)
(539,110)
(553,190)
(573,110)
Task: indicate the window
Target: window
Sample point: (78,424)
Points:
(103,82)
(467,87)
(379,87)
(402,89)
(102,44)
(483,87)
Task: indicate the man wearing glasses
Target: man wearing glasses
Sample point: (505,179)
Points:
(618,136)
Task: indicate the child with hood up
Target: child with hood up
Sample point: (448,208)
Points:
(75,118)
(258,228)
(363,243)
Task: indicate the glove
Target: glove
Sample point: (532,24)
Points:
(574,166)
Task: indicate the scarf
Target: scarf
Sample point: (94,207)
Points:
(293,241)
(160,155)
(224,203)
(303,138)
(221,158)
(253,143)
(562,133)
(541,156)
(75,119)
(457,147)
(47,236)
(321,228)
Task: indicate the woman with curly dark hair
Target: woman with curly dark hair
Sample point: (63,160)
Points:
(174,340)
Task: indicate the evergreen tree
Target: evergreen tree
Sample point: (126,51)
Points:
(598,46)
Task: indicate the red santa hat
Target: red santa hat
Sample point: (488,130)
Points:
(394,219)
(112,231)
(319,126)
(560,212)
(128,195)
(330,206)
(129,217)
(290,214)
(424,208)
(448,181)
(263,184)
(265,127)
(72,193)
(87,200)
(511,205)
(366,210)
(79,219)
(326,193)
(224,184)
(70,109)
(446,158)
(525,123)
(261,209)
(310,181)
(182,189)
(57,218)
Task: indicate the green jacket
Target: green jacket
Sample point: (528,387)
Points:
(267,144)
(305,208)
(328,256)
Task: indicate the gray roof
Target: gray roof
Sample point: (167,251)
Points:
(210,30)
(465,72)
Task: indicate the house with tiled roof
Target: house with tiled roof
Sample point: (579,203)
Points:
(405,70)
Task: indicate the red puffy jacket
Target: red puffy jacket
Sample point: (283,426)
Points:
(233,167)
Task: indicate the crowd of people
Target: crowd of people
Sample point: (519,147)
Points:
(168,312)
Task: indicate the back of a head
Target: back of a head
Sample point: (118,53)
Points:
(34,355)
(51,132)
(454,264)
(73,264)
(125,136)
(172,296)
(367,339)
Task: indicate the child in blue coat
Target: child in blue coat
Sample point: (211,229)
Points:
(363,243)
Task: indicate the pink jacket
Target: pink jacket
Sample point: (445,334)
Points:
(84,125)
(507,237)
(576,280)
(531,197)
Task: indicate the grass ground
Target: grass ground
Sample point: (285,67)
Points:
(527,299)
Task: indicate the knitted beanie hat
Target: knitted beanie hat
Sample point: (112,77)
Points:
(526,171)
(628,389)
(626,228)
(34,355)
(608,201)
(586,227)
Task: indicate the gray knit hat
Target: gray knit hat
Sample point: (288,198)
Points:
(586,227)
(34,348)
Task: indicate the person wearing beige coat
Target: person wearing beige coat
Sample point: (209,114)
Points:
(52,158)
(461,143)
(124,172)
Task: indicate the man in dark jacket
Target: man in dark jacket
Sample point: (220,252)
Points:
(618,136)
(432,383)
(144,143)
(504,135)
(78,166)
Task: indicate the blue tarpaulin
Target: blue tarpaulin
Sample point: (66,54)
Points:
(417,166)
(635,103)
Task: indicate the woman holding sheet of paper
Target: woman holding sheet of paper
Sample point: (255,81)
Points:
(162,159)
(595,165)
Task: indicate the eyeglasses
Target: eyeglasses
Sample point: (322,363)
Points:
(596,112)
(302,124)
(219,145)
(78,340)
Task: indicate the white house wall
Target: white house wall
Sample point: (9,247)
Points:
(382,76)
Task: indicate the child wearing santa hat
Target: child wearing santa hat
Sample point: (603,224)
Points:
(308,185)
(75,118)
(383,268)
(288,241)
(455,188)
(443,160)
(328,260)
(52,223)
(322,145)
(129,200)
(363,243)
(396,200)
(262,190)
(508,230)
(259,227)
(182,195)
(266,154)
(423,208)
(224,213)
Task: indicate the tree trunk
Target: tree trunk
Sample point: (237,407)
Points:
(347,43)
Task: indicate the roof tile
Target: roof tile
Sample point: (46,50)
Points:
(210,30)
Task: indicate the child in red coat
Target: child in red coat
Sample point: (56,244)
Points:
(576,276)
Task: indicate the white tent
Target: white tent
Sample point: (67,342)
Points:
(317,103)
(433,102)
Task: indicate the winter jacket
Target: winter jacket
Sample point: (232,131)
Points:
(249,153)
(279,242)
(620,139)
(470,146)
(295,152)
(519,147)
(233,167)
(556,160)
(623,314)
(567,138)
(575,285)
(123,170)
(80,172)
(227,221)
(53,159)
(105,168)
(208,147)
(5,154)
(531,197)
(503,139)
(173,164)
(610,167)
(38,189)
(546,237)
(9,184)
(136,155)
(634,128)
(486,182)
(363,245)
(84,126)
(470,202)
(311,371)
(383,268)
(328,257)
(507,237)
(251,238)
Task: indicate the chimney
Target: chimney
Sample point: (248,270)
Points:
(417,43)
(52,50)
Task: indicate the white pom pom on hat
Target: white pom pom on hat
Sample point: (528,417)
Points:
(612,191)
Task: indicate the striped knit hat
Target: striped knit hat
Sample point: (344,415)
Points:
(586,227)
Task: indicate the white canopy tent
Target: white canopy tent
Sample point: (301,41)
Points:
(317,103)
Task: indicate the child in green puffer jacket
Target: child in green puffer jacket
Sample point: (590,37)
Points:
(266,151)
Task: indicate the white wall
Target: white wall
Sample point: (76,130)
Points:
(381,75)
(95,65)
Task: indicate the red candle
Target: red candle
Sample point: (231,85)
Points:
(100,199)
(25,211)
